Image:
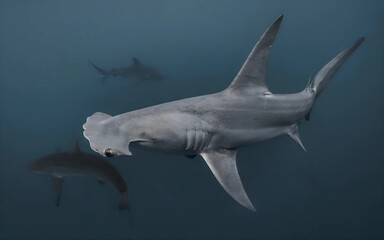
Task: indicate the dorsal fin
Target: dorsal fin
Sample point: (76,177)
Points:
(252,74)
(136,62)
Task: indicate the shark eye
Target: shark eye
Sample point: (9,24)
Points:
(108,153)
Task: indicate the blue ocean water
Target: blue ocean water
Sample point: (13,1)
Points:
(48,88)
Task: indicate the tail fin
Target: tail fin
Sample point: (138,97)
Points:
(322,78)
(103,73)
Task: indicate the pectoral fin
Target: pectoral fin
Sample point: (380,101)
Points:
(222,163)
(57,184)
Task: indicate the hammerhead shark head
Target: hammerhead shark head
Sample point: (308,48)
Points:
(138,69)
(76,162)
(214,126)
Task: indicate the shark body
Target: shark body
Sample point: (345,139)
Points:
(137,69)
(78,163)
(214,126)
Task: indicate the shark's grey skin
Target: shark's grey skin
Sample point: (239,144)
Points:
(214,126)
(137,69)
(76,162)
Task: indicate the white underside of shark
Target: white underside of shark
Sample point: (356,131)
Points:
(214,126)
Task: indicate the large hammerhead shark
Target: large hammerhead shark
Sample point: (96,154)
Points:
(214,126)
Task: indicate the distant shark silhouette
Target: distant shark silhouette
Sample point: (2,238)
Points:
(76,162)
(138,70)
(214,126)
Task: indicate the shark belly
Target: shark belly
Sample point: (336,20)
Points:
(234,138)
(245,120)
(184,133)
(173,132)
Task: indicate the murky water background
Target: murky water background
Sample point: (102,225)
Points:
(48,88)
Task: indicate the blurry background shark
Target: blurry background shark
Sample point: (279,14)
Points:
(137,69)
(76,162)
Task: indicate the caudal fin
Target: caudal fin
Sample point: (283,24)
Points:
(103,73)
(322,78)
